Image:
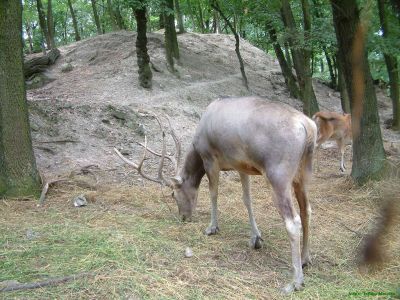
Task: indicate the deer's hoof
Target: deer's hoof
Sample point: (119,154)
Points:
(305,262)
(292,287)
(211,230)
(256,242)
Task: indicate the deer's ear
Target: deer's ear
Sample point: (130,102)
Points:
(176,181)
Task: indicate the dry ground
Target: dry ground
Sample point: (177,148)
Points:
(128,237)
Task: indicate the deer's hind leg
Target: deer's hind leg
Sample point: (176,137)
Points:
(305,216)
(283,200)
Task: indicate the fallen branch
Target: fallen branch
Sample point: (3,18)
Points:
(40,64)
(48,282)
(45,189)
(59,141)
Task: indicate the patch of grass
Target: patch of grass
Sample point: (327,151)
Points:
(132,242)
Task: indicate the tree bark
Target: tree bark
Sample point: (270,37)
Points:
(181,27)
(392,68)
(50,24)
(40,64)
(28,30)
(119,19)
(171,40)
(215,6)
(110,9)
(96,17)
(301,58)
(143,59)
(368,153)
(43,22)
(200,17)
(74,22)
(342,85)
(18,173)
(290,80)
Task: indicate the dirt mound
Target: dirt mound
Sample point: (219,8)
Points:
(80,116)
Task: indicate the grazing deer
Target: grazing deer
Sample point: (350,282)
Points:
(333,126)
(254,137)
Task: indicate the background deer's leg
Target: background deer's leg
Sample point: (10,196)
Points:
(256,239)
(213,179)
(341,146)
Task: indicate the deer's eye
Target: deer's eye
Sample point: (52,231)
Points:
(172,195)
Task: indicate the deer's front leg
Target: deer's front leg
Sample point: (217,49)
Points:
(213,179)
(255,240)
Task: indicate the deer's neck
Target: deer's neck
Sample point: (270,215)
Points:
(193,169)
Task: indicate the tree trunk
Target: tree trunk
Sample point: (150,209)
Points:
(368,153)
(171,40)
(392,68)
(43,22)
(41,63)
(216,24)
(301,58)
(181,28)
(119,19)
(74,22)
(143,59)
(110,9)
(200,17)
(215,6)
(96,17)
(50,24)
(28,30)
(290,80)
(18,173)
(190,9)
(342,85)
(330,68)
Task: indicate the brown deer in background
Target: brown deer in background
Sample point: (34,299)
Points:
(254,137)
(333,126)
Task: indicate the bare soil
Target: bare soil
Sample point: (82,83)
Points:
(79,117)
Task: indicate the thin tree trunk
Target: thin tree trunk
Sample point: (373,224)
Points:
(28,29)
(96,17)
(368,153)
(216,23)
(171,40)
(119,18)
(237,49)
(110,9)
(191,14)
(18,173)
(290,80)
(143,59)
(301,59)
(330,68)
(181,28)
(392,68)
(200,17)
(43,22)
(74,22)
(50,24)
(343,89)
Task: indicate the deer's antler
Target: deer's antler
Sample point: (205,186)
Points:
(173,158)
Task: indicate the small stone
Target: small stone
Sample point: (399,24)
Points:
(188,252)
(80,201)
(67,67)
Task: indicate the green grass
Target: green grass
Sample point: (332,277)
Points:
(134,246)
